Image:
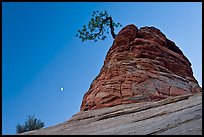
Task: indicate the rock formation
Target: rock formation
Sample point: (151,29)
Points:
(145,87)
(176,115)
(141,65)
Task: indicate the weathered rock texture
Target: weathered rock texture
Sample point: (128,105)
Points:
(141,65)
(176,115)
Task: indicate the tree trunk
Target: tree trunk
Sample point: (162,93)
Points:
(112,28)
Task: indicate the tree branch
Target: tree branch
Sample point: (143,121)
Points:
(101,28)
(111,27)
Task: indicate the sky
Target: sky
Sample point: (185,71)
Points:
(41,54)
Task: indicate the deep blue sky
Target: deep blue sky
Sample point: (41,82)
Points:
(40,53)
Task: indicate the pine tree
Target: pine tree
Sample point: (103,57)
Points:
(30,124)
(97,27)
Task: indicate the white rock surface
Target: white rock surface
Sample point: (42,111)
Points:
(180,115)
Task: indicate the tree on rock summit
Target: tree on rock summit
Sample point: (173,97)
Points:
(98,25)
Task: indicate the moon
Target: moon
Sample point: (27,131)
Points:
(61,89)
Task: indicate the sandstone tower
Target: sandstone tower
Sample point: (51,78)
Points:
(141,65)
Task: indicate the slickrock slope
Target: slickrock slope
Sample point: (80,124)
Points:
(176,115)
(141,65)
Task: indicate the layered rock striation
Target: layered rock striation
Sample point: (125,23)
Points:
(176,115)
(141,65)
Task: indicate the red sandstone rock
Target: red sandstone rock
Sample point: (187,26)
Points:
(141,65)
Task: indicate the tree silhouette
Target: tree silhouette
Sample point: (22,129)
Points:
(30,124)
(99,24)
